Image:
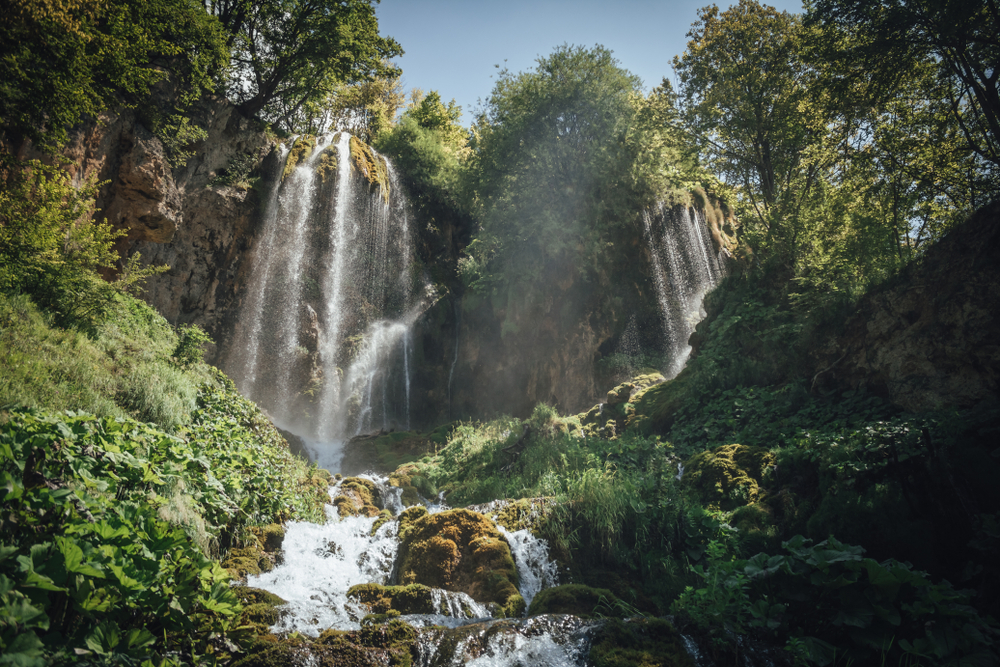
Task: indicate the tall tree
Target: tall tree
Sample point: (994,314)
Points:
(884,38)
(742,89)
(550,164)
(290,53)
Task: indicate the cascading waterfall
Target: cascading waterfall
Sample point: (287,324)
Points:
(686,267)
(323,339)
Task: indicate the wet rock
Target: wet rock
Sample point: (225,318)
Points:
(460,551)
(357,496)
(412,599)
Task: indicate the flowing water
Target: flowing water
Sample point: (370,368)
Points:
(323,335)
(685,267)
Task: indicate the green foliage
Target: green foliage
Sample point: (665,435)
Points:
(874,45)
(821,594)
(125,367)
(52,249)
(290,55)
(60,62)
(547,169)
(367,109)
(108,525)
(189,349)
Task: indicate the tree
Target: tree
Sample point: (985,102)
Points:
(742,88)
(885,37)
(550,166)
(290,53)
(366,109)
(61,61)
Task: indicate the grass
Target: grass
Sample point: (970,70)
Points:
(126,368)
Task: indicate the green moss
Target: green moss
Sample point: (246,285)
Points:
(301,150)
(243,562)
(459,550)
(250,596)
(270,536)
(356,498)
(408,519)
(412,599)
(326,164)
(575,599)
(384,517)
(648,642)
(369,165)
(728,477)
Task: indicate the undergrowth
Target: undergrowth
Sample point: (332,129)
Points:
(109,525)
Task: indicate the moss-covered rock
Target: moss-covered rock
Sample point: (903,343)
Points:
(270,536)
(408,518)
(522,514)
(412,599)
(244,561)
(728,477)
(370,165)
(300,152)
(384,517)
(326,164)
(646,642)
(575,599)
(357,497)
(460,551)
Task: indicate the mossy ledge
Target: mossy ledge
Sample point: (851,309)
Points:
(300,152)
(370,165)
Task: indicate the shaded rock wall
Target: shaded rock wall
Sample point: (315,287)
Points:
(176,216)
(929,338)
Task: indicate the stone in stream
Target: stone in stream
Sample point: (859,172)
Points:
(461,551)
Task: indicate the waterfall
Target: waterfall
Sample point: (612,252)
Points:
(685,268)
(322,339)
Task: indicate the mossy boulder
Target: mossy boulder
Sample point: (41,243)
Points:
(260,608)
(646,642)
(621,393)
(576,599)
(728,477)
(392,643)
(408,518)
(326,164)
(460,551)
(270,536)
(412,599)
(357,496)
(245,561)
(523,514)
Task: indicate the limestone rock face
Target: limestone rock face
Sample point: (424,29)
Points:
(930,338)
(176,216)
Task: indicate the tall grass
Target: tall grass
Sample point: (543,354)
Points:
(124,367)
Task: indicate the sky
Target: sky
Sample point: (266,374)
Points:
(452,45)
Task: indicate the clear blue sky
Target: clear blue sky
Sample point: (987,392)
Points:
(452,45)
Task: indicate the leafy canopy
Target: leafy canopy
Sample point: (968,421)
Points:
(66,59)
(288,54)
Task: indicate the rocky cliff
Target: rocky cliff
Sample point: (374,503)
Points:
(928,338)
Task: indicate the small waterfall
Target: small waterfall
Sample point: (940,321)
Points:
(323,339)
(535,569)
(685,267)
(321,562)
